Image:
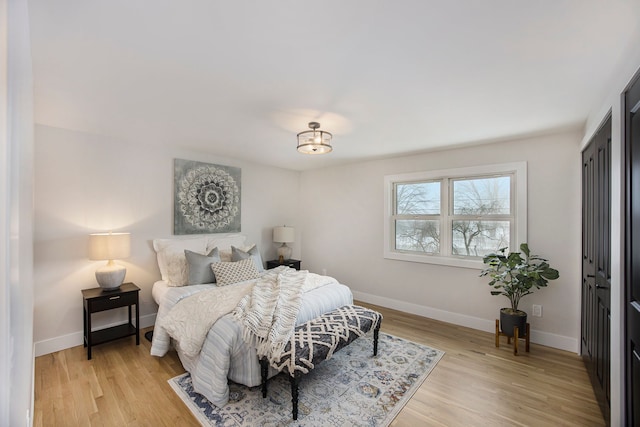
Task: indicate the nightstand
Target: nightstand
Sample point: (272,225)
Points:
(293,263)
(97,299)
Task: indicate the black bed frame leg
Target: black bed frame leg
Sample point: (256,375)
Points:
(376,332)
(264,371)
(294,380)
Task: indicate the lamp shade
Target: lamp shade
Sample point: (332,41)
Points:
(109,246)
(284,234)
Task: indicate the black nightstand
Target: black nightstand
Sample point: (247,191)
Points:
(293,263)
(97,299)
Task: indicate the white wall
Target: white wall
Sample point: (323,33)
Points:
(16,216)
(342,218)
(87,183)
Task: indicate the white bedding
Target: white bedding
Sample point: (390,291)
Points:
(225,355)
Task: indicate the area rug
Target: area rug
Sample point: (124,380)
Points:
(353,388)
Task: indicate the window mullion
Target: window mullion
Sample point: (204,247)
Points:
(416,216)
(482,217)
(512,227)
(445,222)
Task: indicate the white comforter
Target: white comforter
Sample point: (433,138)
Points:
(190,321)
(224,353)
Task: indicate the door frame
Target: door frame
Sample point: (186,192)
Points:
(626,395)
(597,354)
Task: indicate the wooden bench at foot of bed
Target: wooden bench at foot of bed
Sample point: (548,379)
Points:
(317,340)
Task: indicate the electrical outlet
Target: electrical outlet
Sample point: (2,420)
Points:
(324,271)
(537,310)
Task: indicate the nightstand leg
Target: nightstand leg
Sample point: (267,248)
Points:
(137,323)
(89,334)
(84,324)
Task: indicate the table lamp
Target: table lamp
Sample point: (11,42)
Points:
(110,246)
(284,235)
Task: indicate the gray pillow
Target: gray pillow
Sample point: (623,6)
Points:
(199,266)
(239,255)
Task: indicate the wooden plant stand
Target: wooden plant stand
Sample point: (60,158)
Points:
(515,337)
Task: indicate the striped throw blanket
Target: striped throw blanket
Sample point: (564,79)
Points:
(268,314)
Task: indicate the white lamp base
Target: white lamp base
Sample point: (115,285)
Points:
(110,276)
(284,252)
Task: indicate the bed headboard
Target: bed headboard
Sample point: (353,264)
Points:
(173,263)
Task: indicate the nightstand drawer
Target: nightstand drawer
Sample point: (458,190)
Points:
(107,303)
(293,263)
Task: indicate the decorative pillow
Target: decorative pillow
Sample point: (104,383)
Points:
(228,273)
(199,266)
(238,254)
(171,259)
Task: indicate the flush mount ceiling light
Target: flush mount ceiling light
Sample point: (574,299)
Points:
(314,141)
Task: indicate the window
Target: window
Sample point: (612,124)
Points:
(455,217)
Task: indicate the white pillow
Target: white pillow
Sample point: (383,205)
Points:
(224,242)
(171,259)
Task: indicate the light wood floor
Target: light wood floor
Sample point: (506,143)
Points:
(475,384)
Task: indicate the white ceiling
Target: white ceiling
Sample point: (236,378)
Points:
(240,78)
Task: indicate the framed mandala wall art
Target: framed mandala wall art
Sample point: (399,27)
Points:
(206,198)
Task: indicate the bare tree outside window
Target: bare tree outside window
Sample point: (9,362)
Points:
(479,204)
(418,198)
(415,204)
(417,235)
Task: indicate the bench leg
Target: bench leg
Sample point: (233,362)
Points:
(376,332)
(295,380)
(264,370)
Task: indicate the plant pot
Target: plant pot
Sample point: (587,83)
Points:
(509,319)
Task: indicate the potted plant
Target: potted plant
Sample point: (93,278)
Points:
(515,275)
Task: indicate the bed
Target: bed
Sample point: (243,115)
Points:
(224,355)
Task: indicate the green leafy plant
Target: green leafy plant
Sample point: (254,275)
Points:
(516,274)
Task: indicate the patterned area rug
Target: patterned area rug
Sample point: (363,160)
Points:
(351,389)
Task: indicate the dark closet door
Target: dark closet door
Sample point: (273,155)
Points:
(632,255)
(596,263)
(588,250)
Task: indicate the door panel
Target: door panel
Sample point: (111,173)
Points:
(632,255)
(588,265)
(596,263)
(634,388)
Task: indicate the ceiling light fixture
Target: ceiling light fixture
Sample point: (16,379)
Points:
(314,141)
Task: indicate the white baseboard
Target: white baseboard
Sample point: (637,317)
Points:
(63,342)
(539,337)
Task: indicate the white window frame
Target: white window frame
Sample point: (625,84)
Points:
(519,204)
